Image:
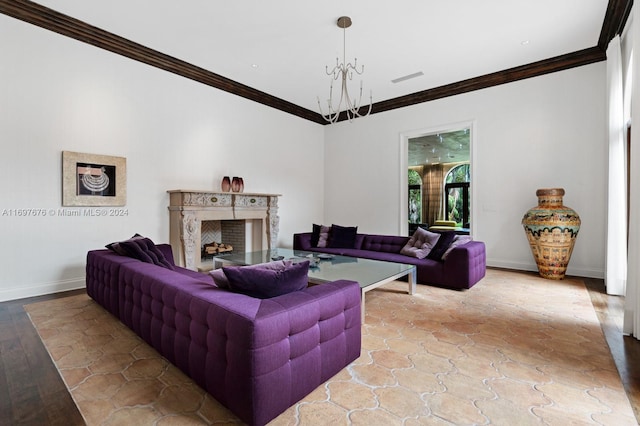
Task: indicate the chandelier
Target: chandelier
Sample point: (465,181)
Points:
(343,72)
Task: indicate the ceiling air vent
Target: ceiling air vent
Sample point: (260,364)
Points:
(408,77)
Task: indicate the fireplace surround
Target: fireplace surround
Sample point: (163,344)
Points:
(188,210)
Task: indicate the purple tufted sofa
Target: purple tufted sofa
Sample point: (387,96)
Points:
(257,357)
(463,267)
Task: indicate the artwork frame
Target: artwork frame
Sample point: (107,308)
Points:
(93,180)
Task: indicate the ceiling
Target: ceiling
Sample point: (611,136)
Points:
(446,147)
(279,49)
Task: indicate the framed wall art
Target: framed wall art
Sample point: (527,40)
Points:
(93,180)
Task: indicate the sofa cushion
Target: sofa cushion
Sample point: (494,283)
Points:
(420,244)
(263,281)
(442,245)
(141,248)
(342,236)
(457,241)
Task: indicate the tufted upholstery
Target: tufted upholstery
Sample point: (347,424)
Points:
(255,356)
(463,267)
(102,275)
(102,271)
(384,243)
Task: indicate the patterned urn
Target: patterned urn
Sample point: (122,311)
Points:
(551,229)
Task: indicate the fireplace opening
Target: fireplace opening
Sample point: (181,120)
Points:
(223,236)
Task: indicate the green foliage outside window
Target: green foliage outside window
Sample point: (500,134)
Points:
(414,178)
(458,174)
(415,197)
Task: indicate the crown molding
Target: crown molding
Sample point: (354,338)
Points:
(615,19)
(41,16)
(547,66)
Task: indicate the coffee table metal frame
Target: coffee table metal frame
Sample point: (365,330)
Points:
(370,274)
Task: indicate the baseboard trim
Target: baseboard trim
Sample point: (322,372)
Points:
(42,289)
(571,271)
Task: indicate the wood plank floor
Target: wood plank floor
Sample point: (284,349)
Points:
(32,392)
(624,349)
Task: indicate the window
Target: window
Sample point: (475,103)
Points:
(457,195)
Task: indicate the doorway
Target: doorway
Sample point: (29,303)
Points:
(437,181)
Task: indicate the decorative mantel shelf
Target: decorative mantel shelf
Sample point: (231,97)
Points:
(188,209)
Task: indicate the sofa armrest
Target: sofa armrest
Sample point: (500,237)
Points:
(167,252)
(102,277)
(465,265)
(302,241)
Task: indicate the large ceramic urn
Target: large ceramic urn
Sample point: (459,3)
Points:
(551,229)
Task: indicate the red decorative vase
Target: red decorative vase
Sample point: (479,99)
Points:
(235,184)
(226,184)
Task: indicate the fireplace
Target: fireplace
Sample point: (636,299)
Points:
(248,222)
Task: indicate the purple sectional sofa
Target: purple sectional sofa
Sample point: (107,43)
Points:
(255,356)
(463,267)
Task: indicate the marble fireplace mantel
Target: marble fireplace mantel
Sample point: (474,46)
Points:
(187,210)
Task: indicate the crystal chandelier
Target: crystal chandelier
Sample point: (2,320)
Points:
(343,71)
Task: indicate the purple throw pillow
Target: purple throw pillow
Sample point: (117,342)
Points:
(221,280)
(343,236)
(141,248)
(457,241)
(420,244)
(445,240)
(265,282)
(116,246)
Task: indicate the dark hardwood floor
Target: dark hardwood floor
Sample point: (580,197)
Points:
(32,392)
(624,349)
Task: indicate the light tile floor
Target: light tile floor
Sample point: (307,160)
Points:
(514,349)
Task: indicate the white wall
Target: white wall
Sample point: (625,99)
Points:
(547,131)
(59,94)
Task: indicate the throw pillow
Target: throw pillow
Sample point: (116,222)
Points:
(264,283)
(323,238)
(343,236)
(315,235)
(141,248)
(115,246)
(441,246)
(457,241)
(221,280)
(420,244)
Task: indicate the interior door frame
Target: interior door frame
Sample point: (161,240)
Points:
(403,226)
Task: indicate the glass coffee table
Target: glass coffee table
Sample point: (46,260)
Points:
(370,274)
